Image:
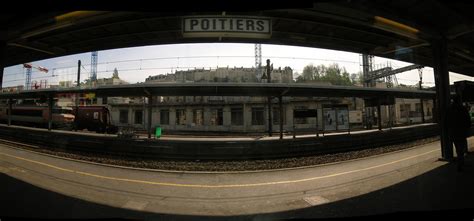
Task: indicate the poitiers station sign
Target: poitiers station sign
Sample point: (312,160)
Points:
(226,26)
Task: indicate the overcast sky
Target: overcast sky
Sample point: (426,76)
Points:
(137,63)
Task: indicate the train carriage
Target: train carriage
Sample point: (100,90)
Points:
(38,116)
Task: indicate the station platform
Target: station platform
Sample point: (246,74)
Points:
(35,185)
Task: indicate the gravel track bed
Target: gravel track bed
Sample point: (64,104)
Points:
(237,165)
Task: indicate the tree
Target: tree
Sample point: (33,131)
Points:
(312,73)
(333,74)
(357,78)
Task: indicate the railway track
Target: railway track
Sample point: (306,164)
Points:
(212,150)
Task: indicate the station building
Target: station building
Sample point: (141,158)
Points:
(244,114)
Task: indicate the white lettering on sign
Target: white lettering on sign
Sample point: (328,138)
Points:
(223,26)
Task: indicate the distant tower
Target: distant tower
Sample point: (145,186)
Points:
(115,74)
(258,60)
(367,61)
(28,76)
(93,76)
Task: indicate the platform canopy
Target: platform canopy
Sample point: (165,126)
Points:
(228,89)
(402,29)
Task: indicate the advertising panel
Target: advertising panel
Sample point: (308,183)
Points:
(342,119)
(329,119)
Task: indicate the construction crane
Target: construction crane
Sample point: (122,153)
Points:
(28,67)
(94,56)
(258,61)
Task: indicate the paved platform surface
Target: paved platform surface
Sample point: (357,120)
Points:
(39,186)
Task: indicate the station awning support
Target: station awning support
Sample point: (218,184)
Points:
(3,48)
(379,116)
(150,107)
(10,103)
(440,68)
(280,103)
(50,111)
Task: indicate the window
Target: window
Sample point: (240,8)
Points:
(164,117)
(257,116)
(62,111)
(216,116)
(237,116)
(303,120)
(404,110)
(418,107)
(197,99)
(27,112)
(276,116)
(180,117)
(198,117)
(123,116)
(138,117)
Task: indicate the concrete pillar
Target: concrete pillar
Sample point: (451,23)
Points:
(247,115)
(440,68)
(189,113)
(172,117)
(289,116)
(226,115)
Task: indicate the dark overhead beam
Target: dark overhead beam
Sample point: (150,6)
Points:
(338,26)
(30,48)
(105,38)
(112,23)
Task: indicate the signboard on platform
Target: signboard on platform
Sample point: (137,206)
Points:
(226,26)
(355,116)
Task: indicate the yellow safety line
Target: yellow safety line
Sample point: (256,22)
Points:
(214,186)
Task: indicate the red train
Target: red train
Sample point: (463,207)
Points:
(31,115)
(94,118)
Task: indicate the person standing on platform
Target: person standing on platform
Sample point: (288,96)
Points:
(459,125)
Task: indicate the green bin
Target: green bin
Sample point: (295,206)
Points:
(158,131)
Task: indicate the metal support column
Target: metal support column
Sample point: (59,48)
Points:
(269,78)
(50,111)
(435,114)
(270,128)
(420,72)
(10,103)
(3,48)
(440,68)
(77,95)
(379,116)
(150,106)
(366,67)
(294,126)
(280,103)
